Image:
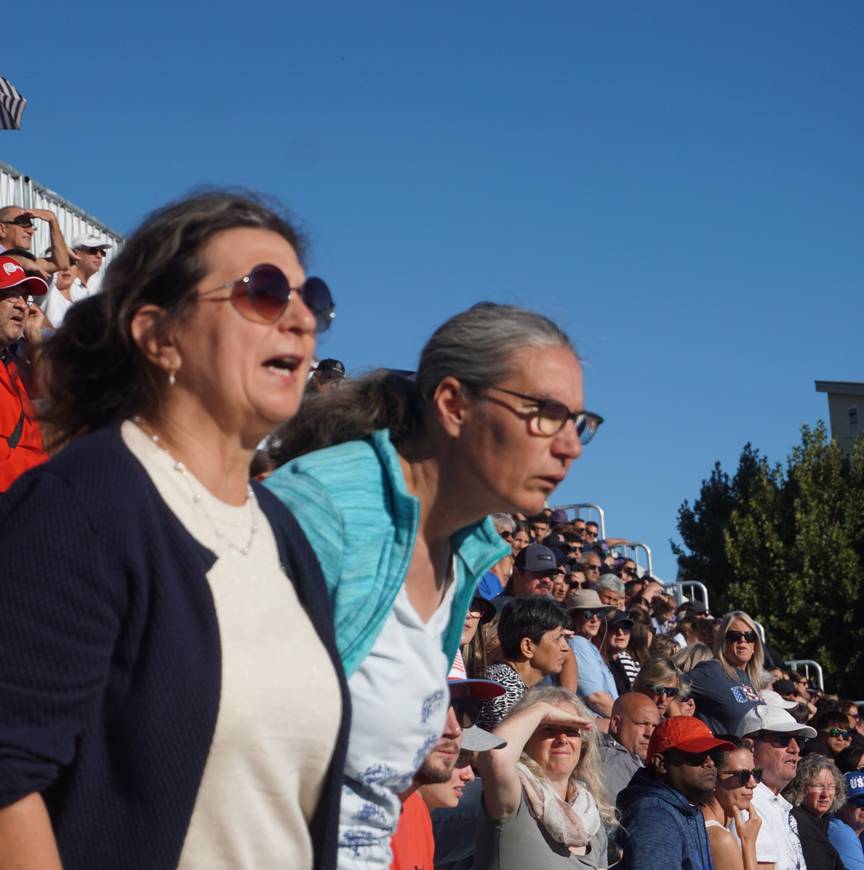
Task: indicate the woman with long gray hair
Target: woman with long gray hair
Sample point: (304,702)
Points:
(393,480)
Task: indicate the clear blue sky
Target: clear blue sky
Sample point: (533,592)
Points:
(678,184)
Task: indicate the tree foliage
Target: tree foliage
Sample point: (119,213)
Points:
(786,544)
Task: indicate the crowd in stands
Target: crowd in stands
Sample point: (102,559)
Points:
(587,719)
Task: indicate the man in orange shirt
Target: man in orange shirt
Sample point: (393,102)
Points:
(413,844)
(20,437)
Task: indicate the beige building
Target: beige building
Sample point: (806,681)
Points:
(845,409)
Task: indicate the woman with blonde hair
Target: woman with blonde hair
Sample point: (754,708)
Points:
(687,659)
(660,681)
(725,688)
(543,799)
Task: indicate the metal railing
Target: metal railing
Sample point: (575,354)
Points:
(690,589)
(601,514)
(636,546)
(807,664)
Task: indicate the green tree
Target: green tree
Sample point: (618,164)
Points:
(786,544)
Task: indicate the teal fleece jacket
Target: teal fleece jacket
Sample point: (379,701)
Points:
(353,505)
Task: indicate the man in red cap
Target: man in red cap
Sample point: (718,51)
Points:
(20,437)
(660,808)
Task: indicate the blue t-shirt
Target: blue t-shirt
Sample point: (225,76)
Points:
(721,702)
(847,844)
(594,673)
(489,586)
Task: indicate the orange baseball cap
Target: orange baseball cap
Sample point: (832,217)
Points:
(686,733)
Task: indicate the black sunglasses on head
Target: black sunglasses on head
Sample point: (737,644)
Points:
(263,295)
(736,636)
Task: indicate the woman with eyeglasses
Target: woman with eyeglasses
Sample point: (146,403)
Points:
(817,790)
(393,478)
(732,823)
(544,804)
(724,689)
(162,623)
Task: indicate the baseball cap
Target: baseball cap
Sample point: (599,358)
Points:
(331,367)
(616,618)
(770,717)
(89,240)
(476,739)
(769,696)
(12,275)
(558,517)
(686,733)
(691,607)
(854,784)
(536,557)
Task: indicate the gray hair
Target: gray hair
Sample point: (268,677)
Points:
(610,582)
(809,767)
(476,347)
(504,522)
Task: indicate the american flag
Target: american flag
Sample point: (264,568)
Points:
(11,105)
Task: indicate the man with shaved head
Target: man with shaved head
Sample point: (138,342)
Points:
(624,749)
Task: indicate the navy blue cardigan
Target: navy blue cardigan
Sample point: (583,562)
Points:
(110,659)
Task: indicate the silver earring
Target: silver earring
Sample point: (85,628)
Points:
(172,378)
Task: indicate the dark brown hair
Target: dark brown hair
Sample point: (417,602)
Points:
(97,374)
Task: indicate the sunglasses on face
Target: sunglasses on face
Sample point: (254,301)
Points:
(668,691)
(743,776)
(591,532)
(467,710)
(736,636)
(838,732)
(588,615)
(779,741)
(551,416)
(508,536)
(263,295)
(23,220)
(691,759)
(95,251)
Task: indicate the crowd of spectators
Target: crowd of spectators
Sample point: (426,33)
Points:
(593,720)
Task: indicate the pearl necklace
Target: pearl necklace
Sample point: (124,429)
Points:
(183,471)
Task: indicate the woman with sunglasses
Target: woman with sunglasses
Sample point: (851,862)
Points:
(729,812)
(395,498)
(162,626)
(817,790)
(832,734)
(660,681)
(544,804)
(724,689)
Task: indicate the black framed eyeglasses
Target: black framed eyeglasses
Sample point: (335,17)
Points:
(744,776)
(551,416)
(264,293)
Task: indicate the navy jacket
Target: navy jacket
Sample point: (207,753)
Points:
(661,827)
(110,659)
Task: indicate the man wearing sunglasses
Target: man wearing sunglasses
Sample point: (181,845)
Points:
(660,808)
(89,252)
(413,843)
(775,738)
(16,238)
(847,825)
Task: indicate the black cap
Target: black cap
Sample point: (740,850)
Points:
(331,367)
(784,687)
(536,557)
(618,617)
